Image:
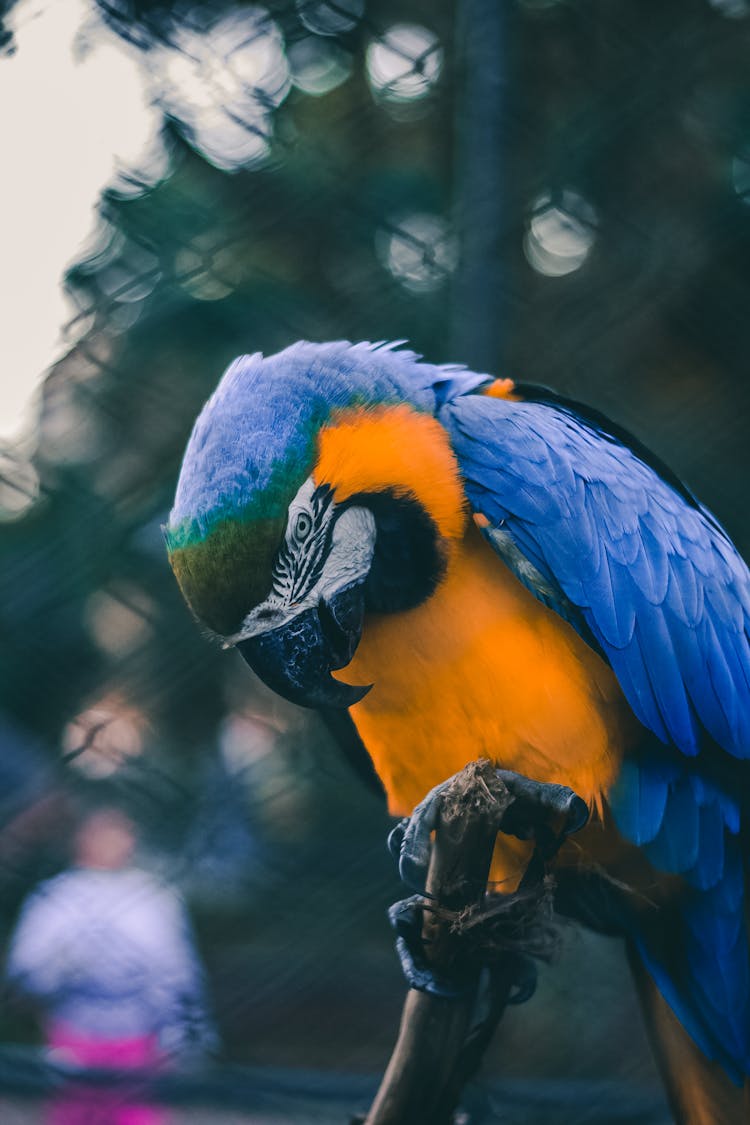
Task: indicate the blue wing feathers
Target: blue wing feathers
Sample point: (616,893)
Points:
(684,591)
(675,847)
(639,799)
(575,540)
(703,975)
(709,862)
(667,682)
(638,690)
(721,688)
(680,817)
(717,956)
(653,563)
(609,590)
(722,605)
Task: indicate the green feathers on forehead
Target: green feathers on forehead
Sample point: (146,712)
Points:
(223,564)
(223,576)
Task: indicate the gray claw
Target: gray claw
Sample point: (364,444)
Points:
(535,801)
(406,919)
(396,838)
(525,982)
(411,840)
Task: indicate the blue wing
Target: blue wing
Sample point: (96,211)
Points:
(698,951)
(651,580)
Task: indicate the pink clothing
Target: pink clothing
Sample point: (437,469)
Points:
(91,1105)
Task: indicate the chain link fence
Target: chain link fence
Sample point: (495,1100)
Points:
(556,190)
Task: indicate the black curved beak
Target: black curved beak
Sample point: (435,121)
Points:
(296,659)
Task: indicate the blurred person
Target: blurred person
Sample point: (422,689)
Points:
(104,951)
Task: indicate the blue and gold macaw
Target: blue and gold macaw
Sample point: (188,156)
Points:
(518,579)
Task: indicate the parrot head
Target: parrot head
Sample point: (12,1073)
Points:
(317,485)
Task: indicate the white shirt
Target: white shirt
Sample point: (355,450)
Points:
(110,953)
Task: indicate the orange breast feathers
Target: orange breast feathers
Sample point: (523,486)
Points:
(481,669)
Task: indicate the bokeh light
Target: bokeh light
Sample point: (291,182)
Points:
(144,171)
(69,430)
(208,269)
(404,63)
(246,738)
(222,83)
(732,9)
(561,233)
(419,250)
(130,276)
(119,619)
(330,17)
(104,737)
(318,66)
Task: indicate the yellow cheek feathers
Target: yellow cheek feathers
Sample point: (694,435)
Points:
(398,449)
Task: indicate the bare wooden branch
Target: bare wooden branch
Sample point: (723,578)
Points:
(419,1086)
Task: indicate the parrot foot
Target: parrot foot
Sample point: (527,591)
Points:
(541,811)
(405,916)
(544,813)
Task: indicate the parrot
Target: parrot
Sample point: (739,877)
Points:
(465,566)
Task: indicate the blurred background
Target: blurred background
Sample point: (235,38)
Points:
(553,190)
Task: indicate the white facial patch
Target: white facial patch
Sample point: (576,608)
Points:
(323,552)
(352,547)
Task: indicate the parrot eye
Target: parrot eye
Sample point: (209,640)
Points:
(302,526)
(301,555)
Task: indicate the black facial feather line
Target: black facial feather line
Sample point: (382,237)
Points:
(302,554)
